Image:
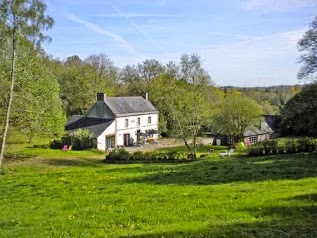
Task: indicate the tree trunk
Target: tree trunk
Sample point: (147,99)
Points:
(7,120)
(195,147)
(183,135)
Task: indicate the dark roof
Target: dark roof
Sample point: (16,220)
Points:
(272,121)
(129,105)
(93,124)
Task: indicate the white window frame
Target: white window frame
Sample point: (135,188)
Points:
(253,139)
(126,123)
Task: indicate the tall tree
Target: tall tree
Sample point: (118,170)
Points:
(308,45)
(148,71)
(21,21)
(192,108)
(37,108)
(299,115)
(237,113)
(101,74)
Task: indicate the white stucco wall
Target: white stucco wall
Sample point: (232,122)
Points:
(101,140)
(133,127)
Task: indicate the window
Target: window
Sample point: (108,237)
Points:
(230,140)
(149,120)
(138,121)
(253,139)
(126,123)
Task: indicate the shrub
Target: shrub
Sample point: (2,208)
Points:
(291,146)
(123,156)
(56,144)
(118,155)
(82,139)
(307,144)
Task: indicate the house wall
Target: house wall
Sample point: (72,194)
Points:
(133,127)
(101,140)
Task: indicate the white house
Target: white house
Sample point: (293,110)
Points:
(118,121)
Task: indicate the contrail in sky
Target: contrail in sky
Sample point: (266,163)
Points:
(141,30)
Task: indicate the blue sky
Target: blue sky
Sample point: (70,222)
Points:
(241,42)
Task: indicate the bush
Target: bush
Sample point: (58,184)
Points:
(56,144)
(307,144)
(118,155)
(123,156)
(82,139)
(292,146)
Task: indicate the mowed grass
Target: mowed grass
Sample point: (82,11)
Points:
(77,195)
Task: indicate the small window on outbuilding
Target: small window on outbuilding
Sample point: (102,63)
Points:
(253,139)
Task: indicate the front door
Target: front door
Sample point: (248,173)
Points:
(138,136)
(126,139)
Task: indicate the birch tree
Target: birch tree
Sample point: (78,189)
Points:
(21,21)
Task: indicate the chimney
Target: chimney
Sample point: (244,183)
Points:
(101,96)
(147,96)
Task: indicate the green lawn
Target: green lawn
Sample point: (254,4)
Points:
(75,194)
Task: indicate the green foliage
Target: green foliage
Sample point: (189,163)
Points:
(237,112)
(21,25)
(56,144)
(123,156)
(37,109)
(299,116)
(290,146)
(82,139)
(271,99)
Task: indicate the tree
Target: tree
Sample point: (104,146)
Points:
(101,74)
(299,115)
(21,21)
(308,44)
(191,108)
(37,108)
(236,114)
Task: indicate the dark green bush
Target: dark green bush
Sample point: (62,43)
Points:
(118,155)
(307,144)
(56,144)
(123,156)
(292,146)
(82,139)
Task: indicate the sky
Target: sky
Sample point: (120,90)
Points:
(243,43)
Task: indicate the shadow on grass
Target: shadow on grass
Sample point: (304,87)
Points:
(15,157)
(233,169)
(272,221)
(80,162)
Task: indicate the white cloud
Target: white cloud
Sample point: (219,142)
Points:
(265,6)
(125,45)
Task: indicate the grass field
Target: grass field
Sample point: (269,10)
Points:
(74,194)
